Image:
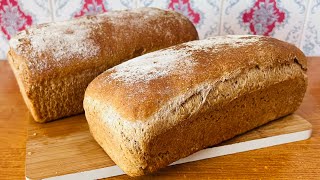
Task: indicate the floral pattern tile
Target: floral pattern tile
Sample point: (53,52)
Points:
(263,17)
(205,14)
(17,15)
(91,7)
(280,19)
(12,18)
(66,9)
(310,43)
(292,28)
(40,10)
(122,4)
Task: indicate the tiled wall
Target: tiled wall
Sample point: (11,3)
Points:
(295,21)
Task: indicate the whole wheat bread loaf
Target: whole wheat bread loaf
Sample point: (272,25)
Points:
(53,63)
(157,108)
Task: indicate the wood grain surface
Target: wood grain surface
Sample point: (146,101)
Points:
(67,147)
(299,160)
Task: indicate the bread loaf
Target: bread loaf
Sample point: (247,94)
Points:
(157,108)
(54,63)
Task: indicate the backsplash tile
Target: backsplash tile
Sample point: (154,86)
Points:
(40,10)
(212,22)
(310,42)
(121,4)
(295,21)
(90,7)
(231,11)
(12,18)
(162,4)
(292,28)
(280,19)
(205,14)
(66,9)
(16,15)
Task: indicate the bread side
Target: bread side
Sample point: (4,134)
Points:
(55,62)
(206,111)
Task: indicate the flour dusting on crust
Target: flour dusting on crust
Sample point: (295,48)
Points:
(153,65)
(63,39)
(233,41)
(57,44)
(174,61)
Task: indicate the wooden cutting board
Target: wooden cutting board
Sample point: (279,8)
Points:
(65,149)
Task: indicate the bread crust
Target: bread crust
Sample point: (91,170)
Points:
(213,62)
(228,90)
(55,62)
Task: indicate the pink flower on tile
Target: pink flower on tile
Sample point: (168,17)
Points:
(91,7)
(184,7)
(263,17)
(12,19)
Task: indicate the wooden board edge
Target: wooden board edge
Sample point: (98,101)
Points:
(203,154)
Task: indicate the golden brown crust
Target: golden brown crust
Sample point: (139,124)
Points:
(238,88)
(55,62)
(223,122)
(210,63)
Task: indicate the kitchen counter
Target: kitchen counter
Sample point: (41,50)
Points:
(293,160)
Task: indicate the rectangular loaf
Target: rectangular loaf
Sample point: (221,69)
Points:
(53,63)
(157,108)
